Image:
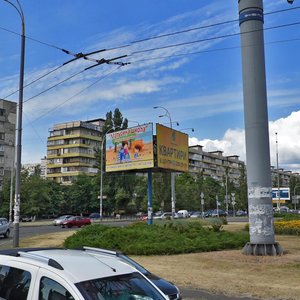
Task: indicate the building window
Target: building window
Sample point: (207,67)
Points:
(2,136)
(2,112)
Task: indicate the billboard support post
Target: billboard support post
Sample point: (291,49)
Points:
(150,210)
(173,196)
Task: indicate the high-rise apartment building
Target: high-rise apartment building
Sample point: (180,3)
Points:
(214,164)
(7,138)
(71,149)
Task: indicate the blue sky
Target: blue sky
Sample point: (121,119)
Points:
(200,84)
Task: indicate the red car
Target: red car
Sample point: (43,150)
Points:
(75,221)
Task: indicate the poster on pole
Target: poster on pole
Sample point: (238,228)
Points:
(130,149)
(172,149)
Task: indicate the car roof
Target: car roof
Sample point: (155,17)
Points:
(69,263)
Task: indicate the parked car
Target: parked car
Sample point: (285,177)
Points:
(196,214)
(60,219)
(75,221)
(144,217)
(183,213)
(4,227)
(218,213)
(25,219)
(94,216)
(166,287)
(71,275)
(240,213)
(166,215)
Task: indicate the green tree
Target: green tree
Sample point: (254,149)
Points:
(187,194)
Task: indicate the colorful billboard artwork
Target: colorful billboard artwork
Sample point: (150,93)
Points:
(130,149)
(172,149)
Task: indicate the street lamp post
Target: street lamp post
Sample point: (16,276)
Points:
(173,199)
(233,203)
(278,180)
(101,173)
(297,186)
(19,128)
(11,143)
(202,204)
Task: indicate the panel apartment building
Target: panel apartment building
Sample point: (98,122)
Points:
(7,138)
(214,164)
(71,149)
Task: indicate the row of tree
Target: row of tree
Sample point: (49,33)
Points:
(125,192)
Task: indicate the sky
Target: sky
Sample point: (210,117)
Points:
(171,58)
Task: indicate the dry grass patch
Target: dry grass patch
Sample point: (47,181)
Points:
(227,272)
(47,240)
(232,273)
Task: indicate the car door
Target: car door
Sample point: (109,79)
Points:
(17,280)
(51,286)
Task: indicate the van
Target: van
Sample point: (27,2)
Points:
(183,213)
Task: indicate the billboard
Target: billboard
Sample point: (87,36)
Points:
(283,196)
(172,149)
(130,149)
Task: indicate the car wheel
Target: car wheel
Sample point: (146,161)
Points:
(6,234)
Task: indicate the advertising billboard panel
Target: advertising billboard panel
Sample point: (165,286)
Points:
(130,149)
(283,196)
(172,149)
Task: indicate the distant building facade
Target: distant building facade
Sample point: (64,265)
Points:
(214,164)
(7,138)
(71,149)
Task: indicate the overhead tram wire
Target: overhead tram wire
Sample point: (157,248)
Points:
(211,38)
(212,50)
(78,93)
(99,62)
(35,80)
(85,56)
(80,55)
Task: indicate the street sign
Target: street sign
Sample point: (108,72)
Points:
(295,199)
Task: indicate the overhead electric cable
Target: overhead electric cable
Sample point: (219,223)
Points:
(53,86)
(145,39)
(35,80)
(212,50)
(99,62)
(78,93)
(212,38)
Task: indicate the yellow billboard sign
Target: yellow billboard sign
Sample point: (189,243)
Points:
(172,149)
(130,149)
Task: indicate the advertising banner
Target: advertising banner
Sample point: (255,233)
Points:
(130,149)
(172,149)
(283,196)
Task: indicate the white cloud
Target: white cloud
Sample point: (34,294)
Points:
(288,131)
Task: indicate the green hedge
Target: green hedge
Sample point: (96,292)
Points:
(171,238)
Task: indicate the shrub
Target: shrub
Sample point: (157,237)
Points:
(170,238)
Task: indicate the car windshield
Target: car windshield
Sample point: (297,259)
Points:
(122,287)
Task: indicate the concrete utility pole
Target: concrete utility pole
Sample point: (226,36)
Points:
(262,238)
(16,222)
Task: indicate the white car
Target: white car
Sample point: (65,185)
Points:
(64,274)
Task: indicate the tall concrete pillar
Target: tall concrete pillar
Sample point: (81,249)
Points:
(260,207)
